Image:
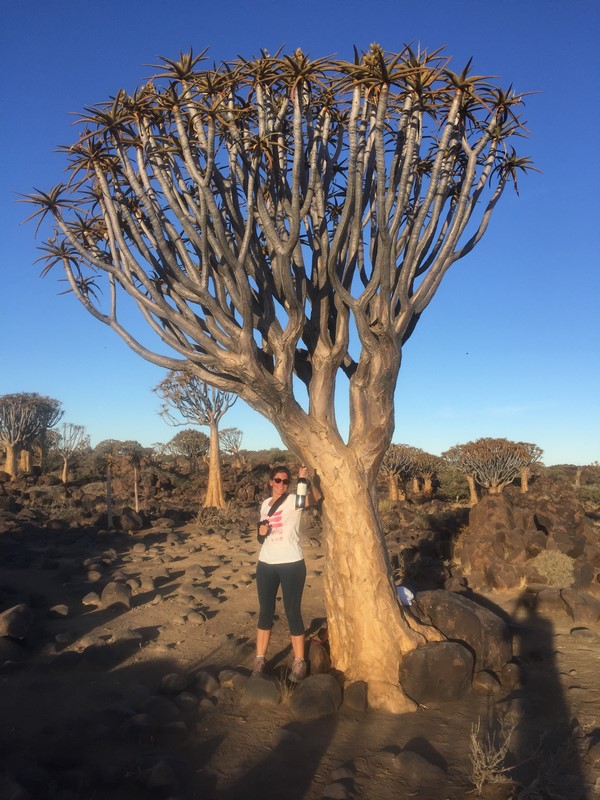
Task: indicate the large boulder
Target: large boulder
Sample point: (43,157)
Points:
(16,621)
(484,633)
(317,696)
(437,672)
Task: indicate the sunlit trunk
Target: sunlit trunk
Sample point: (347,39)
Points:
(473,493)
(65,470)
(416,485)
(25,460)
(215,497)
(11,463)
(427,485)
(393,487)
(525,480)
(368,630)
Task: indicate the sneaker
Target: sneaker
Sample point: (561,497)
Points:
(298,672)
(259,665)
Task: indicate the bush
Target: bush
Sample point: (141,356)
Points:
(555,566)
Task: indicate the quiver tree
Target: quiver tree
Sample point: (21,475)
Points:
(191,444)
(230,440)
(426,468)
(195,401)
(492,463)
(279,221)
(133,453)
(24,420)
(530,454)
(398,466)
(70,440)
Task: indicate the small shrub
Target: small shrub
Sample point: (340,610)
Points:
(488,755)
(591,494)
(555,566)
(385,506)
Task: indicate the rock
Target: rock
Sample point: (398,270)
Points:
(261,690)
(462,620)
(60,610)
(486,683)
(318,657)
(205,682)
(355,696)
(336,791)
(510,676)
(418,771)
(174,683)
(130,520)
(437,672)
(10,651)
(187,702)
(16,621)
(159,776)
(196,617)
(91,599)
(161,709)
(582,607)
(116,594)
(317,696)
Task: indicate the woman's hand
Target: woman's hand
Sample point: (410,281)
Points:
(264,529)
(303,471)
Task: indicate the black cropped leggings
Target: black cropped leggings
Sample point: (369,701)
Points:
(291,577)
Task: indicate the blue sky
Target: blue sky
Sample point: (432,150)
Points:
(510,345)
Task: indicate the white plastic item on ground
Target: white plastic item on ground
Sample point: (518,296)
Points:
(405,595)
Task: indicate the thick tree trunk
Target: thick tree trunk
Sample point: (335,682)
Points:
(215,497)
(392,487)
(65,470)
(416,485)
(11,463)
(525,480)
(25,460)
(428,485)
(369,632)
(473,494)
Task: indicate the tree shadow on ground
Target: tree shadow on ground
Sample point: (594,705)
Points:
(546,746)
(289,769)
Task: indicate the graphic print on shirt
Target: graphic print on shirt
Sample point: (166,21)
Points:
(276,523)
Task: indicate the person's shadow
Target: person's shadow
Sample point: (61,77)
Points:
(545,745)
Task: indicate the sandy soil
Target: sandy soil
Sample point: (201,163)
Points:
(81,719)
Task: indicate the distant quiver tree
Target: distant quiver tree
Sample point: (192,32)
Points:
(493,464)
(71,439)
(25,418)
(195,401)
(281,221)
(191,444)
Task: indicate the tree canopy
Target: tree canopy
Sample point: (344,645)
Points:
(281,217)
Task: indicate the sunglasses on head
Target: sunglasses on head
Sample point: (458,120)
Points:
(281,480)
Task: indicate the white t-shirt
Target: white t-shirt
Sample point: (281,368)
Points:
(282,545)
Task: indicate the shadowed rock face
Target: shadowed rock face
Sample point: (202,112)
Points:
(484,633)
(503,537)
(437,673)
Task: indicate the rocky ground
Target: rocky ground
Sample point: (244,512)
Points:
(124,674)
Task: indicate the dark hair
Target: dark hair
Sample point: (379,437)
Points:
(275,470)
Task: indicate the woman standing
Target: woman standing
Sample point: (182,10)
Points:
(281,563)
